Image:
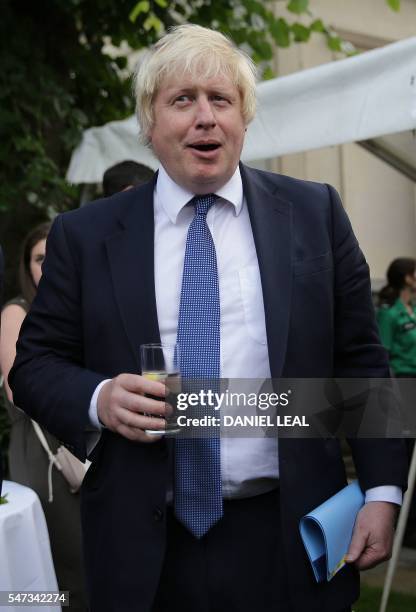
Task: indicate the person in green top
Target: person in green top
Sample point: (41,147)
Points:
(396,319)
(396,316)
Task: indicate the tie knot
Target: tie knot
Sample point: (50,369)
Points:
(204,203)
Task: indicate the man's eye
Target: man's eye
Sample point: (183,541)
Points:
(220,99)
(183,98)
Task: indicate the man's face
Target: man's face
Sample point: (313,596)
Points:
(198,132)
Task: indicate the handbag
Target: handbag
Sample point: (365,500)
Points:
(71,468)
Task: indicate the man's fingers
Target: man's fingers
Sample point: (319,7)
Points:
(141,385)
(372,555)
(132,420)
(141,404)
(372,538)
(123,408)
(141,421)
(137,435)
(357,546)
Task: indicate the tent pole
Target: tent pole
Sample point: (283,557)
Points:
(401,526)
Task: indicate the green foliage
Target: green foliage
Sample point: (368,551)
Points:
(394,4)
(251,23)
(280,31)
(335,43)
(300,32)
(55,81)
(317,26)
(52,86)
(298,6)
(141,7)
(3,499)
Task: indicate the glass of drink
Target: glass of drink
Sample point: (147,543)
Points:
(160,362)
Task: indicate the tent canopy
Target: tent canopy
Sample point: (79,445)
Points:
(360,98)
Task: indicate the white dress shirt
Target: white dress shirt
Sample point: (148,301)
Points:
(249,466)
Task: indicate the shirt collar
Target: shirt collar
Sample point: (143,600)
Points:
(173,197)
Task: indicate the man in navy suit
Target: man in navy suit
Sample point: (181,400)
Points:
(294,301)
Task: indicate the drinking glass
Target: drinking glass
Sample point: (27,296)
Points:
(160,362)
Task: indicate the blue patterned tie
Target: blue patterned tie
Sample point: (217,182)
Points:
(198,495)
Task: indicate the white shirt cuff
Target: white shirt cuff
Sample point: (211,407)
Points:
(92,410)
(387,493)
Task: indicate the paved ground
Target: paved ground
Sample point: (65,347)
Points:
(405,576)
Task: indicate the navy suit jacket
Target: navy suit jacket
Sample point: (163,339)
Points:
(96,304)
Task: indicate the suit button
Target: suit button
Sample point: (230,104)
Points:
(158,514)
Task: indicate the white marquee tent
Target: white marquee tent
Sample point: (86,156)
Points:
(360,98)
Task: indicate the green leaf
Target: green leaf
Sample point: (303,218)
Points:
(280,31)
(300,32)
(265,50)
(317,26)
(394,5)
(298,6)
(141,7)
(268,73)
(3,499)
(262,49)
(334,43)
(253,7)
(162,3)
(152,22)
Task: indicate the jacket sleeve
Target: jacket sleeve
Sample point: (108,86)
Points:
(358,352)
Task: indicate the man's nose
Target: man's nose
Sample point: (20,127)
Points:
(205,116)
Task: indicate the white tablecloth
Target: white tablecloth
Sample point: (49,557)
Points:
(25,554)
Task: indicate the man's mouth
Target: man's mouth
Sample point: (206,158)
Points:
(210,146)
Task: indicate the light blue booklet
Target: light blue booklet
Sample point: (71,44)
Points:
(327,530)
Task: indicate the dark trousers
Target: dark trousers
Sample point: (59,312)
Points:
(237,566)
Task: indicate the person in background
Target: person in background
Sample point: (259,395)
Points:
(28,460)
(124,176)
(396,318)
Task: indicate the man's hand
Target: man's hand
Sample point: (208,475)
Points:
(372,538)
(121,406)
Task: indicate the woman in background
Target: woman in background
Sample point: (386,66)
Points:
(28,460)
(397,323)
(397,316)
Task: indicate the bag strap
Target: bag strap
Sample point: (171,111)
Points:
(53,460)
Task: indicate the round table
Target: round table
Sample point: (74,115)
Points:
(25,554)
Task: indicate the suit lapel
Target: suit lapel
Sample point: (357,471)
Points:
(130,252)
(271,222)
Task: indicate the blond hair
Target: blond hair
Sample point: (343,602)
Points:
(194,50)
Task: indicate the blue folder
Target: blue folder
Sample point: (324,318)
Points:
(326,531)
